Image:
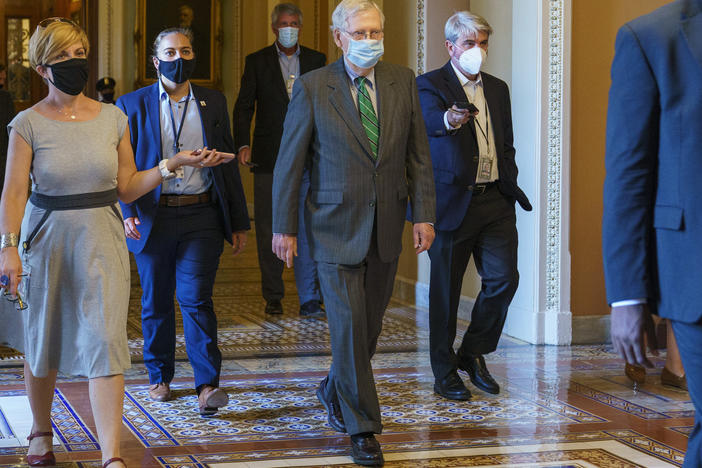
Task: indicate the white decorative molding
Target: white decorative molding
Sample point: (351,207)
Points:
(554,156)
(109,38)
(421,26)
(236,50)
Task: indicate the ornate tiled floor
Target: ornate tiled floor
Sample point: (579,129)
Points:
(560,407)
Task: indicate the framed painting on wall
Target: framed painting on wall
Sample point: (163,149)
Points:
(201,17)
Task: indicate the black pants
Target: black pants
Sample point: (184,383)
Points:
(488,233)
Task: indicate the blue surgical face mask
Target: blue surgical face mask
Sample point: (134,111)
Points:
(365,53)
(288,36)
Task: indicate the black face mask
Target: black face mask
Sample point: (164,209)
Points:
(108,97)
(70,76)
(178,71)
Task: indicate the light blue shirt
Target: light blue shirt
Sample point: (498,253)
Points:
(195,180)
(289,67)
(370,82)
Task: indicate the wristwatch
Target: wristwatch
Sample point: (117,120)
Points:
(165,173)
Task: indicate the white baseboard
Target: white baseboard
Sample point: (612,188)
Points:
(550,328)
(416,293)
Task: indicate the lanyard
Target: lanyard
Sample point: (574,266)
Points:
(487,128)
(287,65)
(176,141)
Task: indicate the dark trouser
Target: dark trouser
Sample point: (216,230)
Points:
(356,297)
(181,255)
(272,286)
(489,233)
(689,337)
(306,278)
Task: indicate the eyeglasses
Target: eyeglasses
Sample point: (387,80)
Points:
(56,19)
(360,35)
(20,304)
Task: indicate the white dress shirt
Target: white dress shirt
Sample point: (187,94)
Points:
(483,123)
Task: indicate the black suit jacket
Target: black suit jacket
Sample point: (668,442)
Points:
(454,154)
(263,90)
(7,113)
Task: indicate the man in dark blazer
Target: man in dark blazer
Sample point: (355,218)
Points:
(266,87)
(469,121)
(652,222)
(177,231)
(356,124)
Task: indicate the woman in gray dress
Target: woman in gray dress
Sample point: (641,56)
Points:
(73,267)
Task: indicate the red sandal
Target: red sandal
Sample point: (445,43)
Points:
(112,460)
(48,459)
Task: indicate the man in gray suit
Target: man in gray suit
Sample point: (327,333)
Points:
(358,126)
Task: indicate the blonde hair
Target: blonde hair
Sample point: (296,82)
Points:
(48,42)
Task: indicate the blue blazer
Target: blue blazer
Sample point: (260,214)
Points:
(143,110)
(652,221)
(454,154)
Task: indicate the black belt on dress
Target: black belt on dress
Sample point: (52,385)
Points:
(78,201)
(479,189)
(184,200)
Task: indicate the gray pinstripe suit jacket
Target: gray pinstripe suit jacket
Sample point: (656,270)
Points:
(349,191)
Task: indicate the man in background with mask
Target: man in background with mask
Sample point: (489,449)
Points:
(357,126)
(469,122)
(176,232)
(266,87)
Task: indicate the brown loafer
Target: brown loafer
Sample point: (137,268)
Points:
(211,399)
(160,391)
(668,378)
(637,374)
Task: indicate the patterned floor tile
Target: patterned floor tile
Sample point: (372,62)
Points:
(287,408)
(70,432)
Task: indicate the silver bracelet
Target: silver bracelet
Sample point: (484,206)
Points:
(8,239)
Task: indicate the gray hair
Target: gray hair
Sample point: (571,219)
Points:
(348,8)
(465,22)
(285,8)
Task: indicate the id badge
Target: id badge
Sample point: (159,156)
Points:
(289,84)
(485,168)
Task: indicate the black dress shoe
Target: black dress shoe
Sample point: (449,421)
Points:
(452,387)
(478,373)
(365,450)
(311,309)
(334,416)
(274,307)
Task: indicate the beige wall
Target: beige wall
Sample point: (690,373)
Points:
(595,24)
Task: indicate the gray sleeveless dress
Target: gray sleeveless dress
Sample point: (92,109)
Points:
(78,288)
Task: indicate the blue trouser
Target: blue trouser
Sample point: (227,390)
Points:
(181,256)
(689,337)
(306,278)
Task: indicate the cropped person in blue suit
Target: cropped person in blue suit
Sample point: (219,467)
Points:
(652,221)
(176,232)
(468,117)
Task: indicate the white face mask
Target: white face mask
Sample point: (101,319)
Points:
(288,36)
(365,53)
(472,59)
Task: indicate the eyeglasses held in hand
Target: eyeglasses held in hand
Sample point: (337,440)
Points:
(20,304)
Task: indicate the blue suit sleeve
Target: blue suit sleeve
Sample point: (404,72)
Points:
(630,161)
(433,107)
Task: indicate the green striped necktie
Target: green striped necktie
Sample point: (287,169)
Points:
(368,117)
